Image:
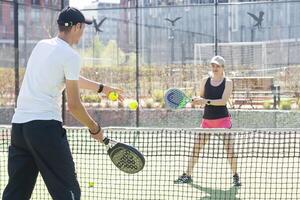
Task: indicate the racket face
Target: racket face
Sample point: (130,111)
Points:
(126,158)
(175,98)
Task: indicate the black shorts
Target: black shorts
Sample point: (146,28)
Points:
(40,146)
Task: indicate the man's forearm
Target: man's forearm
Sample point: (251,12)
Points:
(80,113)
(88,84)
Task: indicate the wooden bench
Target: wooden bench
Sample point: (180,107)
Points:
(254,92)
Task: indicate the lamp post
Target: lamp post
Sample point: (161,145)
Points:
(172,35)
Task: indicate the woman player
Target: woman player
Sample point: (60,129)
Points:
(214,94)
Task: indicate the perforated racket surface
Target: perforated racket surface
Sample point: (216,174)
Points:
(176,99)
(125,157)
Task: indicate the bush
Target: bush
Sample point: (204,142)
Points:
(7,84)
(149,103)
(108,104)
(189,93)
(120,104)
(298,103)
(163,104)
(267,104)
(158,96)
(92,98)
(285,104)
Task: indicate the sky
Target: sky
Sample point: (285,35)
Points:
(80,3)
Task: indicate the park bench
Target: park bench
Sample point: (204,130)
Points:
(254,92)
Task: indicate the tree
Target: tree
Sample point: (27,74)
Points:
(112,54)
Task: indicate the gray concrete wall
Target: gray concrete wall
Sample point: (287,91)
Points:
(188,118)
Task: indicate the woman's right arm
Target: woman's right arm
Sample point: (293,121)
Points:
(200,100)
(202,86)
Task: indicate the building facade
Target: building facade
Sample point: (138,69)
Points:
(36,20)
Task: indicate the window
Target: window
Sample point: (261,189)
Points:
(21,14)
(21,31)
(35,2)
(234,18)
(288,14)
(1,12)
(131,33)
(35,15)
(11,16)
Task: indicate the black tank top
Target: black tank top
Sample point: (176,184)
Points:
(214,92)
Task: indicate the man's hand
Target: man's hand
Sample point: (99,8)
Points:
(107,89)
(98,136)
(88,84)
(96,132)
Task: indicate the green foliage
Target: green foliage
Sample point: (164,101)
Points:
(149,103)
(92,98)
(94,50)
(98,48)
(291,80)
(267,104)
(285,104)
(151,77)
(131,59)
(298,103)
(2,102)
(158,95)
(7,84)
(112,54)
(108,104)
(100,55)
(163,105)
(189,93)
(121,104)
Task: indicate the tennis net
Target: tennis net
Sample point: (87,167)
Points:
(268,163)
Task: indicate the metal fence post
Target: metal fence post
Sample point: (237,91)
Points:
(16,48)
(63,106)
(137,123)
(216,27)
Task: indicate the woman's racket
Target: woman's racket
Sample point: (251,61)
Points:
(176,99)
(125,157)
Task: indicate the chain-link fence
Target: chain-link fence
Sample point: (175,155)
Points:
(174,45)
(146,50)
(18,38)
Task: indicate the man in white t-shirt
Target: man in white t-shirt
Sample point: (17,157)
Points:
(38,140)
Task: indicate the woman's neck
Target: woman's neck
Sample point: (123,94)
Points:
(217,78)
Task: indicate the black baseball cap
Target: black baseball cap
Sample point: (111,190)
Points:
(70,16)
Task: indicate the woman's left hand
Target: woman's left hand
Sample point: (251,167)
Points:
(198,101)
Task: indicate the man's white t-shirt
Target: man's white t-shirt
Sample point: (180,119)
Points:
(51,62)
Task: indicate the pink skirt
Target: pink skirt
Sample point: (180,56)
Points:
(216,123)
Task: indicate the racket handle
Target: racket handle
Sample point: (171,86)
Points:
(106,140)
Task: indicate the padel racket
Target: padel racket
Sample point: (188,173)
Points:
(176,99)
(125,157)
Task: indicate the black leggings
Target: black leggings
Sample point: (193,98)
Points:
(40,146)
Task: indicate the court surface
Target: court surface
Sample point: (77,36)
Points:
(268,163)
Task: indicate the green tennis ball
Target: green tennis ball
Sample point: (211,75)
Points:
(133,105)
(113,96)
(91,184)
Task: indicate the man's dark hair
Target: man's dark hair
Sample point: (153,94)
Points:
(65,29)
